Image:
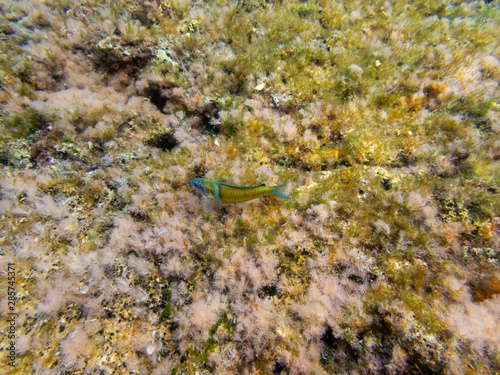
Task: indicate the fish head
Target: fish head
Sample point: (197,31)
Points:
(199,185)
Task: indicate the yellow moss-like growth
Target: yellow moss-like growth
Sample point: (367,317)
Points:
(383,116)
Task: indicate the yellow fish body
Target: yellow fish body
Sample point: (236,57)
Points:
(236,194)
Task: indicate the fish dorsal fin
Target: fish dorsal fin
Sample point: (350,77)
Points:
(240,187)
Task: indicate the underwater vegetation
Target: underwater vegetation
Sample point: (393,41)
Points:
(384,117)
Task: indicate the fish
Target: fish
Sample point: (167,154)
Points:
(236,194)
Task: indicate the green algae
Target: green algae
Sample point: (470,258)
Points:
(394,179)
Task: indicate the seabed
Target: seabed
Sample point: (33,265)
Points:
(383,115)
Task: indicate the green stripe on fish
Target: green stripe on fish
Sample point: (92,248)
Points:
(236,194)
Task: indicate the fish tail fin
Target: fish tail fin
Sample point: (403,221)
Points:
(279,191)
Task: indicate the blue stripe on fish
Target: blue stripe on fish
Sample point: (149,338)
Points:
(216,185)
